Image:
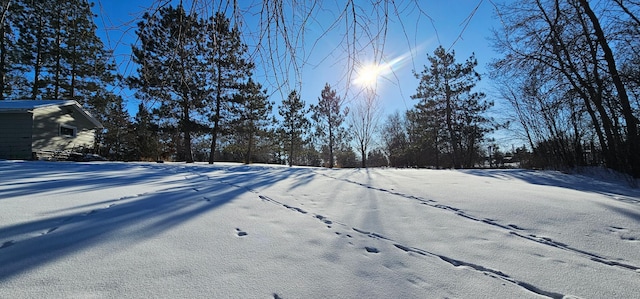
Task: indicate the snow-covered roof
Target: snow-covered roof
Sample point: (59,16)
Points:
(29,105)
(32,104)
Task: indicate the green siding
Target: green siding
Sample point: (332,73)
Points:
(15,135)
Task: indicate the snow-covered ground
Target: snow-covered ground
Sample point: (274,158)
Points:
(139,230)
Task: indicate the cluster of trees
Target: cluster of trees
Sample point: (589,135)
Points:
(448,126)
(195,74)
(570,72)
(199,100)
(50,50)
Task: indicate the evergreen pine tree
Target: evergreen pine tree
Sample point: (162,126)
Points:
(60,54)
(33,26)
(145,135)
(10,78)
(90,67)
(328,116)
(293,126)
(228,68)
(171,71)
(253,116)
(454,112)
(117,140)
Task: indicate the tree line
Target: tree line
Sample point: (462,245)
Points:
(569,73)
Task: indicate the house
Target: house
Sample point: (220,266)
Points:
(31,129)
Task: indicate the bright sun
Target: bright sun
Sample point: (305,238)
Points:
(368,75)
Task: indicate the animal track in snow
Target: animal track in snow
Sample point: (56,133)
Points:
(454,262)
(592,256)
(458,264)
(371,249)
(513,229)
(625,233)
(324,219)
(7,244)
(299,210)
(240,233)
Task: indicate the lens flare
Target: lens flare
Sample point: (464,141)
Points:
(368,74)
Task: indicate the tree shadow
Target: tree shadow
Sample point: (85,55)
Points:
(29,245)
(617,189)
(42,176)
(624,211)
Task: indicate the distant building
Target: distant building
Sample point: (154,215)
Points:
(44,128)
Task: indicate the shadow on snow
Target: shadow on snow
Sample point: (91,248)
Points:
(606,184)
(26,246)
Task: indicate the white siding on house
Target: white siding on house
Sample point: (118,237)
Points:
(46,129)
(15,135)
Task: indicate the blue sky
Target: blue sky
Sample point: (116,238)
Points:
(462,25)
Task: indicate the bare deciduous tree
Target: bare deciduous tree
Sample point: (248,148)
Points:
(564,44)
(364,122)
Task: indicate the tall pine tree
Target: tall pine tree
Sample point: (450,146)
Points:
(253,117)
(456,113)
(146,144)
(59,53)
(328,116)
(227,69)
(171,71)
(10,78)
(117,141)
(293,126)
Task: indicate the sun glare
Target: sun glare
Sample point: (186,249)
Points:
(368,75)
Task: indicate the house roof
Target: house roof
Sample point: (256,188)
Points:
(30,105)
(9,105)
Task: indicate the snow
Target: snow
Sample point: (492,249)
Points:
(140,230)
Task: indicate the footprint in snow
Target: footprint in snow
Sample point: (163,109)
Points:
(515,227)
(625,233)
(324,219)
(7,244)
(240,233)
(371,249)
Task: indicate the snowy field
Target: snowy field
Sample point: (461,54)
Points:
(143,230)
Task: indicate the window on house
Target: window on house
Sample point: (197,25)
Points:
(67,131)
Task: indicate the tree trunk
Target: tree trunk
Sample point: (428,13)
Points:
(3,61)
(216,117)
(291,151)
(627,111)
(247,159)
(452,134)
(331,162)
(37,68)
(58,57)
(214,132)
